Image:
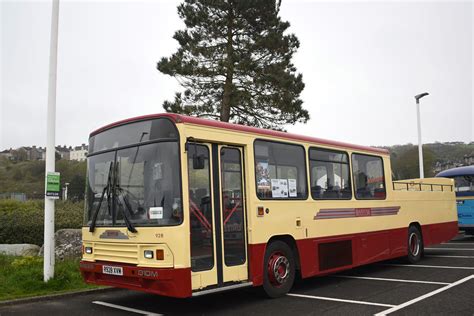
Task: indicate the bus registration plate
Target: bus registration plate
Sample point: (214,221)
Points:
(112,270)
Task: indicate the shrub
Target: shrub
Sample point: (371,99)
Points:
(23,222)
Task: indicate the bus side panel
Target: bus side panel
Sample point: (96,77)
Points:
(439,233)
(308,253)
(321,256)
(366,248)
(466,213)
(370,247)
(256,255)
(398,242)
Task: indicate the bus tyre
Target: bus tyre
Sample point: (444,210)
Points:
(278,269)
(415,244)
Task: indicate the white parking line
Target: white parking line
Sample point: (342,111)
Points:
(128,309)
(339,300)
(389,280)
(463,257)
(425,266)
(453,249)
(458,243)
(420,298)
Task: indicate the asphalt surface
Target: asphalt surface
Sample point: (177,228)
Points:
(441,284)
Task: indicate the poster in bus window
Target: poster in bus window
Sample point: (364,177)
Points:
(292,187)
(279,188)
(263,177)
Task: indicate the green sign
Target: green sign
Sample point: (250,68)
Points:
(53,185)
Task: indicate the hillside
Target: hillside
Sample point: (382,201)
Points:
(28,176)
(437,157)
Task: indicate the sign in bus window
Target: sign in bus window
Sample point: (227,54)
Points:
(280,171)
(369,180)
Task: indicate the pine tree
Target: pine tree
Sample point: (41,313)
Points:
(234,63)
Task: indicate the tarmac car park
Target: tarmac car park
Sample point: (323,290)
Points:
(441,283)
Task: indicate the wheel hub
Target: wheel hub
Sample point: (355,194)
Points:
(414,244)
(278,269)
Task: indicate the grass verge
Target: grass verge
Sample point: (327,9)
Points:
(23,277)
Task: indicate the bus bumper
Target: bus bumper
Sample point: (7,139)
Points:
(468,228)
(166,282)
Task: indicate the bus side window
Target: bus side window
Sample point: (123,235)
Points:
(368,174)
(330,178)
(280,170)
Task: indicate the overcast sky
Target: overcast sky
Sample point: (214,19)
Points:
(362,63)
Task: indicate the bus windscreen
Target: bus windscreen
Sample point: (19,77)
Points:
(134,184)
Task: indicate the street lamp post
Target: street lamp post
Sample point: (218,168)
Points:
(420,150)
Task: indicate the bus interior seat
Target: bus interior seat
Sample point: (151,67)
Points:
(317,191)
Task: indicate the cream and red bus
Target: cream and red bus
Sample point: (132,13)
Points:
(182,206)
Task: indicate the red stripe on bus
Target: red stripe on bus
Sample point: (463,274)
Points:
(356,212)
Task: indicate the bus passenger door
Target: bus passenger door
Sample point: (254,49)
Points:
(232,215)
(217,215)
(201,216)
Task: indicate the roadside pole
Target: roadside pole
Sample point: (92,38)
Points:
(48,265)
(420,145)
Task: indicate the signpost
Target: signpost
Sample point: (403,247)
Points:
(52,179)
(53,185)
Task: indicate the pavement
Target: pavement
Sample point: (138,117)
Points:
(441,284)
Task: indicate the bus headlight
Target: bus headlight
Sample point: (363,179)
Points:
(148,254)
(88,250)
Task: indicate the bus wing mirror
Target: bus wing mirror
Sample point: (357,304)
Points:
(198,162)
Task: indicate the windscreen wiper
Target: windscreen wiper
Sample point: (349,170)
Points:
(125,204)
(106,189)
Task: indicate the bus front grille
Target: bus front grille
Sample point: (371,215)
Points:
(116,252)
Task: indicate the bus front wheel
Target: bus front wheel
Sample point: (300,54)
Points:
(415,244)
(279,269)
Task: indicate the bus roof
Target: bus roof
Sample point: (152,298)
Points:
(178,118)
(460,171)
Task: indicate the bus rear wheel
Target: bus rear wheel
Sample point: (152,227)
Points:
(414,244)
(279,269)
